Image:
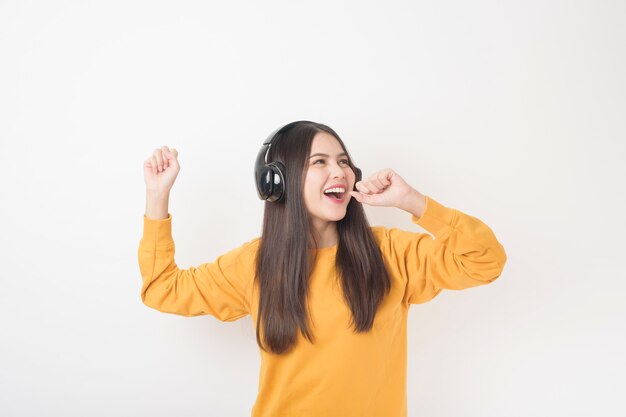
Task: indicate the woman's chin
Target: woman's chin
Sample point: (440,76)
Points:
(338,215)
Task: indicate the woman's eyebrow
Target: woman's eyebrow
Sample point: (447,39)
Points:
(323,154)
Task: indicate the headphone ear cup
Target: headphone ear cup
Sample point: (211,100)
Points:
(264,182)
(277,186)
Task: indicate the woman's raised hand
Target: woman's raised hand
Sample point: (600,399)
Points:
(384,188)
(160,170)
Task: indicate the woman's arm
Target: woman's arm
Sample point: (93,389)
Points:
(464,252)
(157,204)
(219,288)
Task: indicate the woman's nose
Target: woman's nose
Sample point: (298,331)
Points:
(337,171)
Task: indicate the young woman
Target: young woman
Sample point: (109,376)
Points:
(329,294)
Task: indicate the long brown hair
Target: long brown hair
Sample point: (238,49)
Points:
(284,262)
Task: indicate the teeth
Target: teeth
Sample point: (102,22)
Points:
(335,190)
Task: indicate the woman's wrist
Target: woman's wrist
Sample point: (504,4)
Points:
(157,204)
(414,203)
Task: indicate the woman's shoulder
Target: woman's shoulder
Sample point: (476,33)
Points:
(251,246)
(383,232)
(381,235)
(245,252)
(378,231)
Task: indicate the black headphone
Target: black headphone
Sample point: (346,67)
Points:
(270,177)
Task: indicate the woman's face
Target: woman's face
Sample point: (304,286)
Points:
(327,166)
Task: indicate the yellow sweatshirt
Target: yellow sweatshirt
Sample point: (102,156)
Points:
(343,374)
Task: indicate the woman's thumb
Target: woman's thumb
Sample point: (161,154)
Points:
(356,195)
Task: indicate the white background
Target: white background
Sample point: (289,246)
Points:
(511,111)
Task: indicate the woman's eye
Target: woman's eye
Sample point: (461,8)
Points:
(343,160)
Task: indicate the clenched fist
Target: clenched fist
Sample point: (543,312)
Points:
(160,170)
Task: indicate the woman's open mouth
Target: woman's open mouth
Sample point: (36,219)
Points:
(337,198)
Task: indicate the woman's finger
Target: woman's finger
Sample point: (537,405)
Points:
(359,186)
(365,187)
(166,159)
(156,163)
(372,186)
(166,156)
(378,183)
(159,159)
(148,164)
(371,183)
(383,177)
(356,195)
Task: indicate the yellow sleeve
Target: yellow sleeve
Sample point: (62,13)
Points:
(217,288)
(463,254)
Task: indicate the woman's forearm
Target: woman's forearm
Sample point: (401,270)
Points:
(157,205)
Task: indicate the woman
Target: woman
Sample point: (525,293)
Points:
(328,293)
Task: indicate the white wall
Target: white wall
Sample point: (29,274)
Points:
(511,111)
